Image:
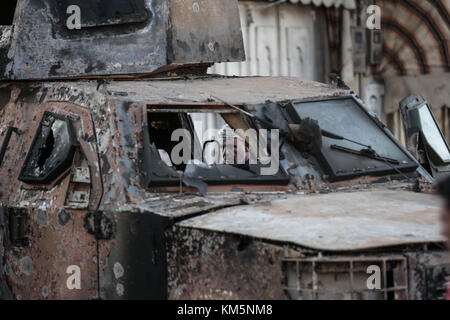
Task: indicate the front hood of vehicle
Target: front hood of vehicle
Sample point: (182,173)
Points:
(349,221)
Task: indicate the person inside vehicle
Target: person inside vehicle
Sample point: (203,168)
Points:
(235,150)
(443,188)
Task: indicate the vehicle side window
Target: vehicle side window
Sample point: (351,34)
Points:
(51,152)
(207,146)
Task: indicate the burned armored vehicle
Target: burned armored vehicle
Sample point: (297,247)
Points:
(94,205)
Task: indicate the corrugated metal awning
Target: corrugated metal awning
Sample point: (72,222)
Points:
(348,4)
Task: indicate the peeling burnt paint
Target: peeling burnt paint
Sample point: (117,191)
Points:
(219,265)
(208,265)
(50,232)
(155,28)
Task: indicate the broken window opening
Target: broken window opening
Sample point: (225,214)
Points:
(7,13)
(213,152)
(51,152)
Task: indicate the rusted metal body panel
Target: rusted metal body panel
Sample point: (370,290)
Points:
(71,53)
(55,236)
(204,264)
(208,265)
(163,34)
(108,121)
(124,229)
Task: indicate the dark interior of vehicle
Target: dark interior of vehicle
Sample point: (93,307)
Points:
(162,173)
(7,12)
(161,126)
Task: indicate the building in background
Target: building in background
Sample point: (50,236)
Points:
(310,39)
(416,57)
(286,38)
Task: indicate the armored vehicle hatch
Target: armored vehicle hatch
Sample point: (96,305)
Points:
(120,37)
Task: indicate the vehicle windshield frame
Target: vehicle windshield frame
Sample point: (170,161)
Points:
(332,176)
(427,134)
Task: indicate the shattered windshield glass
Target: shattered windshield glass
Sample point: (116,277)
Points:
(212,146)
(370,151)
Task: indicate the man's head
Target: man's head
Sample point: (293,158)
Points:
(235,150)
(444,190)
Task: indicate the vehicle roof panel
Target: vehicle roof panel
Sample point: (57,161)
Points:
(334,222)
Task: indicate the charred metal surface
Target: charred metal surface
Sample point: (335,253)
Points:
(84,197)
(71,53)
(133,264)
(109,120)
(219,265)
(429,273)
(165,34)
(208,265)
(38,270)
